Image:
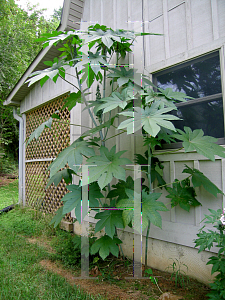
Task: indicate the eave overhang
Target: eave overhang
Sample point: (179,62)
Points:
(70,20)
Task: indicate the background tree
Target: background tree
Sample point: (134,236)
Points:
(19,28)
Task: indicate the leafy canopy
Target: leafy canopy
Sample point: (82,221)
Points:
(150,208)
(106,166)
(183,194)
(199,179)
(196,141)
(72,155)
(105,245)
(151,119)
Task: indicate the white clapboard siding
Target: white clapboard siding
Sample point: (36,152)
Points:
(190,28)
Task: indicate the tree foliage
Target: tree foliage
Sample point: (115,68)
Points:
(19,30)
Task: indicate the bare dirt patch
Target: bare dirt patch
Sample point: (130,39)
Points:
(5,179)
(110,291)
(42,242)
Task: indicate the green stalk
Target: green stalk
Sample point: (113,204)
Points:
(85,101)
(150,191)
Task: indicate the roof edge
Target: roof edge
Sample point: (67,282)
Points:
(11,99)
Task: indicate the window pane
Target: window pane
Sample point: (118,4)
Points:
(197,79)
(207,116)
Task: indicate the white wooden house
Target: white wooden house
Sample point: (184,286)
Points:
(190,56)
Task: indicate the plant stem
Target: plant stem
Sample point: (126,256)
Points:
(169,183)
(146,245)
(69,82)
(67,123)
(115,135)
(85,101)
(158,286)
(150,191)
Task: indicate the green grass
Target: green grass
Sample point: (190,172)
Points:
(21,275)
(9,194)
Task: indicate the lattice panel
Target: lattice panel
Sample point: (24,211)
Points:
(49,145)
(47,200)
(52,141)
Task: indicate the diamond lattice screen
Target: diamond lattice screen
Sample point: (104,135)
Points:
(50,143)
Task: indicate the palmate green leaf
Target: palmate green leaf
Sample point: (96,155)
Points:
(123,76)
(107,37)
(196,141)
(161,98)
(95,60)
(72,100)
(119,189)
(53,73)
(110,219)
(150,208)
(131,35)
(150,118)
(73,155)
(183,194)
(73,199)
(152,96)
(89,75)
(156,167)
(58,217)
(171,95)
(38,131)
(105,245)
(57,36)
(107,165)
(65,174)
(198,179)
(115,100)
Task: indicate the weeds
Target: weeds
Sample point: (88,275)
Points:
(180,277)
(154,280)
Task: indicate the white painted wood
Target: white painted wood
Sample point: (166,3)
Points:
(189,32)
(75,9)
(156,45)
(41,159)
(180,156)
(221,19)
(166,29)
(215,21)
(172,178)
(136,10)
(24,156)
(177,30)
(184,56)
(202,22)
(155,9)
(86,13)
(172,4)
(121,14)
(107,16)
(198,215)
(96,11)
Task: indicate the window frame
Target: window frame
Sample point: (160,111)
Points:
(221,53)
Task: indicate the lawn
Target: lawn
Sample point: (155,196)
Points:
(40,262)
(22,275)
(9,194)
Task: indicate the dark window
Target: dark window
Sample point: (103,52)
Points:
(200,79)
